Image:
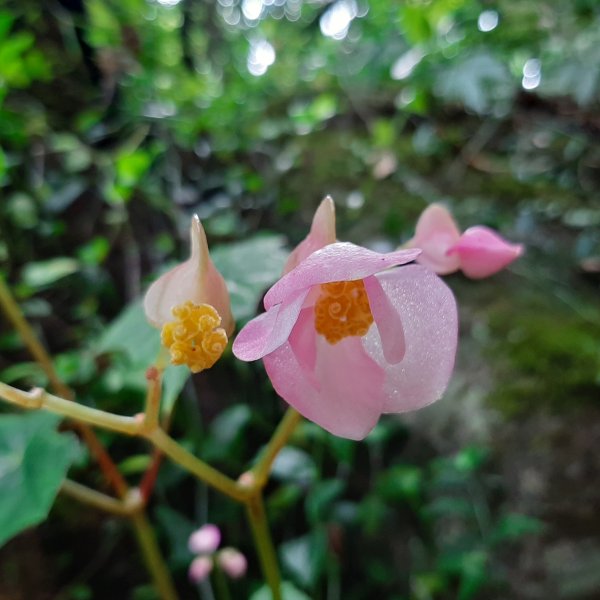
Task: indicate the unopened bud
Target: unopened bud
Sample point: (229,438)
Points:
(205,540)
(232,562)
(200,568)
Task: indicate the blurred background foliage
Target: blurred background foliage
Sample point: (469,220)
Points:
(119,119)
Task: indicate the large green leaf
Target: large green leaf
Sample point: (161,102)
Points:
(34,459)
(249,268)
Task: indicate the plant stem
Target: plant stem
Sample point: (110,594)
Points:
(197,467)
(40,399)
(152,556)
(153,393)
(263,543)
(280,438)
(94,498)
(36,348)
(85,416)
(15,316)
(221,586)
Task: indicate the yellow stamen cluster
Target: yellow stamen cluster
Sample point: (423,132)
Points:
(194,338)
(342,309)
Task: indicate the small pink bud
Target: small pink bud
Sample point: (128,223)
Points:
(200,568)
(247,479)
(483,252)
(205,540)
(233,562)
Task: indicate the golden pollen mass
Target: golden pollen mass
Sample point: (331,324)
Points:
(342,309)
(194,338)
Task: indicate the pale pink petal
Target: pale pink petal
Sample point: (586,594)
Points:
(341,261)
(196,280)
(388,321)
(322,233)
(435,233)
(268,331)
(304,343)
(482,252)
(427,309)
(349,401)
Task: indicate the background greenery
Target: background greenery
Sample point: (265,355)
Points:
(119,119)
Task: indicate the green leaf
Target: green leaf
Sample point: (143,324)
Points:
(470,459)
(250,268)
(34,459)
(178,530)
(401,483)
(225,432)
(321,497)
(293,464)
(288,592)
(514,526)
(43,273)
(304,557)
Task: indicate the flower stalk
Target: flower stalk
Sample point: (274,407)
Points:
(96,499)
(282,434)
(264,545)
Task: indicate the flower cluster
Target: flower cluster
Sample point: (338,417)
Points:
(348,334)
(205,542)
(479,252)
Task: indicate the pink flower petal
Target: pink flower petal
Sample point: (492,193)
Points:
(304,343)
(436,232)
(268,331)
(341,261)
(482,252)
(349,401)
(388,321)
(428,312)
(322,233)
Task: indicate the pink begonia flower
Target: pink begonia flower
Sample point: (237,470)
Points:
(232,562)
(190,304)
(205,540)
(200,568)
(322,233)
(479,252)
(346,338)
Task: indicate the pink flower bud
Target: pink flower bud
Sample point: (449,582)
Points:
(232,562)
(479,252)
(200,568)
(483,252)
(205,540)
